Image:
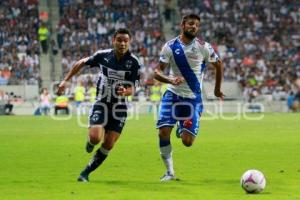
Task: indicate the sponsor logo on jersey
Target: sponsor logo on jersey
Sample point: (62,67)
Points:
(162,57)
(116,74)
(192,56)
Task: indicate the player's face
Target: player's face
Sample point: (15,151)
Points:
(121,43)
(190,28)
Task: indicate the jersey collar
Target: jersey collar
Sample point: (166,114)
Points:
(185,45)
(127,54)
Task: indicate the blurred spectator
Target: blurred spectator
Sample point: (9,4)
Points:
(79,97)
(6,99)
(44,37)
(155,96)
(54,47)
(168,10)
(45,102)
(61,104)
(92,92)
(3,80)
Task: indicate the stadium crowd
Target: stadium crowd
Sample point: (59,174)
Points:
(259,42)
(19,46)
(87,26)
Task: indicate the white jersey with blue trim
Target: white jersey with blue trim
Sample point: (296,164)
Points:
(190,65)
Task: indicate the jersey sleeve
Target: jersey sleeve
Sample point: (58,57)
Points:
(165,54)
(95,59)
(210,54)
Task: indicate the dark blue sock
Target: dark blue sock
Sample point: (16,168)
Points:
(97,160)
(163,143)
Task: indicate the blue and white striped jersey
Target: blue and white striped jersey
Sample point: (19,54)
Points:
(188,61)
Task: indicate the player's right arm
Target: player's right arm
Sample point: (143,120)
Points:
(164,60)
(160,76)
(74,70)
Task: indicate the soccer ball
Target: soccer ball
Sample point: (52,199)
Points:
(253,181)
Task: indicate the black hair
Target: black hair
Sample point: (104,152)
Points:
(122,31)
(189,16)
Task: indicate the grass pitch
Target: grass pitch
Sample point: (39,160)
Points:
(40,158)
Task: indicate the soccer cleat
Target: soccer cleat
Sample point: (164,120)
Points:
(167,177)
(83,177)
(89,147)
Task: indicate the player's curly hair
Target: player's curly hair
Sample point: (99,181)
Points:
(189,16)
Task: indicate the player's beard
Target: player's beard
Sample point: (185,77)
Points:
(189,35)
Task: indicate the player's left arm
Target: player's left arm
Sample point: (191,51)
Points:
(218,65)
(214,59)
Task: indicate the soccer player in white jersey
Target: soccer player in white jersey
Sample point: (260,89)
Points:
(187,57)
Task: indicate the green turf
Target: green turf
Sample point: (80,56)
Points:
(40,158)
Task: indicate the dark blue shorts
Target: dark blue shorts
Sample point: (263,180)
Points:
(175,108)
(111,116)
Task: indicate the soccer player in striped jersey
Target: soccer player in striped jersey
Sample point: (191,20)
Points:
(119,73)
(187,57)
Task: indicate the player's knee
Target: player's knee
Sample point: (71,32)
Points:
(94,139)
(95,135)
(187,139)
(187,143)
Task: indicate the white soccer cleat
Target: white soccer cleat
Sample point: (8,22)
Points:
(167,177)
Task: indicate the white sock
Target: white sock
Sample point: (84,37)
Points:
(104,151)
(166,155)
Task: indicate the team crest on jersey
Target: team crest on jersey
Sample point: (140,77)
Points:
(194,50)
(128,64)
(193,56)
(95,117)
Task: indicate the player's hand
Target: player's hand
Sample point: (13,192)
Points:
(61,88)
(177,80)
(219,94)
(122,91)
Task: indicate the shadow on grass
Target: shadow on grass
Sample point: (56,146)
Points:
(140,184)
